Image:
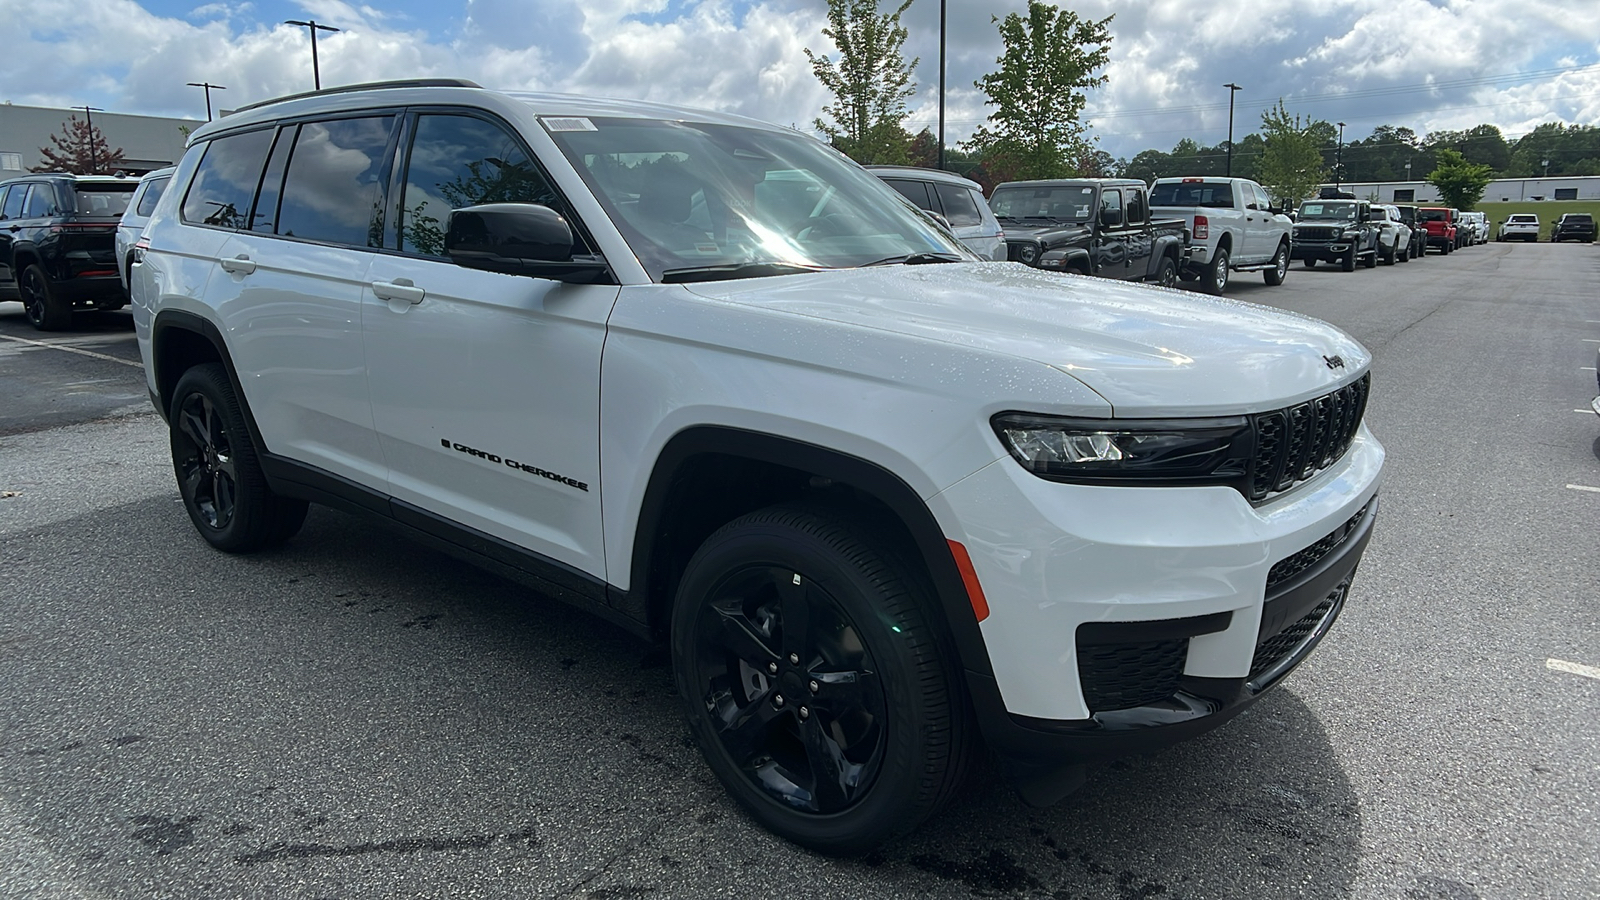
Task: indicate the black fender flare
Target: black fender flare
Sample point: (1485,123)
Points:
(169,321)
(931,545)
(1077,258)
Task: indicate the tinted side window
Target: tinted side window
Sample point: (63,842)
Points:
(460,161)
(12,207)
(959,207)
(42,202)
(152,193)
(915,191)
(1111,200)
(226,180)
(1135,206)
(335,187)
(264,217)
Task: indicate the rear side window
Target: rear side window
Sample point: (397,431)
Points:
(335,189)
(13,201)
(915,191)
(153,190)
(1135,206)
(460,161)
(960,209)
(42,202)
(226,180)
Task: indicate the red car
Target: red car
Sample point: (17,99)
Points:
(1441,224)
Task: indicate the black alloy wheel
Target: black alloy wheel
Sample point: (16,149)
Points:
(44,309)
(813,680)
(219,476)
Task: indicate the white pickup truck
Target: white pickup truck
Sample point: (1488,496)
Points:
(1232,226)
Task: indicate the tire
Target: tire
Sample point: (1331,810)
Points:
(1216,275)
(1371,262)
(1167,272)
(219,475)
(1311,262)
(1349,261)
(1405,255)
(1280,266)
(1388,258)
(45,309)
(903,735)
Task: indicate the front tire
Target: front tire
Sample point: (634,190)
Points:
(1311,262)
(45,308)
(812,673)
(1280,266)
(1371,262)
(1349,261)
(1216,276)
(219,475)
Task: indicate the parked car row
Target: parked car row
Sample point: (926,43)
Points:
(57,244)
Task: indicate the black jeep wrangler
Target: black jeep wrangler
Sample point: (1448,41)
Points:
(1341,231)
(1091,226)
(58,237)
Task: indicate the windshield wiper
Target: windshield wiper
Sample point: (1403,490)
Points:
(914,259)
(736,270)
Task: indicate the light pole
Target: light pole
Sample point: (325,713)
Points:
(1546,168)
(1232,89)
(88,114)
(316,71)
(1338,160)
(209,88)
(1408,171)
(941,85)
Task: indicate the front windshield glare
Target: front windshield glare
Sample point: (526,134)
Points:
(1336,211)
(692,197)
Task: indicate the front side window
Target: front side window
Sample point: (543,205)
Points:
(226,179)
(915,191)
(460,161)
(960,209)
(335,188)
(1111,201)
(694,198)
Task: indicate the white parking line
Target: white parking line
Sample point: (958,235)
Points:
(81,352)
(1584,487)
(1591,340)
(1561,665)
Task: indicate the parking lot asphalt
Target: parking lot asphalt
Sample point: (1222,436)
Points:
(355,716)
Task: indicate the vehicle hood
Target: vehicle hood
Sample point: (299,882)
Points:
(1051,235)
(1147,351)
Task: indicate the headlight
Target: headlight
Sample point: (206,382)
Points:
(1349,235)
(1122,451)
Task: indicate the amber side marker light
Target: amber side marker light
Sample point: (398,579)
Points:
(969,577)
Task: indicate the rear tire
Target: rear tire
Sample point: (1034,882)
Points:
(1167,272)
(1216,275)
(816,680)
(219,475)
(1311,262)
(45,308)
(1280,266)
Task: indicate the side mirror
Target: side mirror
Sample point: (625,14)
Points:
(939,217)
(1110,218)
(517,239)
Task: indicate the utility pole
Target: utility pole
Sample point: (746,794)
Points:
(941,84)
(1338,160)
(209,88)
(1232,89)
(316,71)
(88,113)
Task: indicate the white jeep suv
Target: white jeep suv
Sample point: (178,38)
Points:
(713,381)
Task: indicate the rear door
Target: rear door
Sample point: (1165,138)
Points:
(12,198)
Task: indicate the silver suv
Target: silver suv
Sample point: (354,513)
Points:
(957,200)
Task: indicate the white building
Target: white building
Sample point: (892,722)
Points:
(147,142)
(1501,190)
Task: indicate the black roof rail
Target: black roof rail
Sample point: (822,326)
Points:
(367,86)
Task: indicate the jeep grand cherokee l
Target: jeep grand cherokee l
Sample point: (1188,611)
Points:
(57,244)
(718,384)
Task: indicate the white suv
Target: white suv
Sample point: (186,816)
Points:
(1522,226)
(711,380)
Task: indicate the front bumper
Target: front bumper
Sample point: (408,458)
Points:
(1126,619)
(1333,252)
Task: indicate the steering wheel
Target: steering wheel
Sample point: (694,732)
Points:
(826,226)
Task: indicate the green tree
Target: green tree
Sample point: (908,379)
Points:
(1460,183)
(1484,143)
(81,149)
(870,82)
(1291,161)
(1050,60)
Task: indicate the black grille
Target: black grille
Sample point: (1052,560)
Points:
(1296,443)
(1125,675)
(1290,566)
(1317,234)
(1272,650)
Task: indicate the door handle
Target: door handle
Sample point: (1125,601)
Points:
(399,289)
(239,265)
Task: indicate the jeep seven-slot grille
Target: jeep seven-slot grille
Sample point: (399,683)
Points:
(1125,675)
(1271,650)
(1290,566)
(1296,443)
(1317,234)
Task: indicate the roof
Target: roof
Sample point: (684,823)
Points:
(921,173)
(1053,182)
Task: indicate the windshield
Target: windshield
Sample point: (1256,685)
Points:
(726,200)
(1192,193)
(103,199)
(1433,215)
(1061,203)
(1336,212)
(1523,220)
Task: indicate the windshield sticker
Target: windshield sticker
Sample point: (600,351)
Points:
(707,248)
(1312,209)
(568,123)
(1083,212)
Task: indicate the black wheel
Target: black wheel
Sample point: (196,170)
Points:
(1405,255)
(46,311)
(1371,262)
(1216,275)
(1167,272)
(814,682)
(218,474)
(1349,261)
(1280,266)
(1311,262)
(1388,258)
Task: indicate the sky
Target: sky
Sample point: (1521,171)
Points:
(1425,64)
